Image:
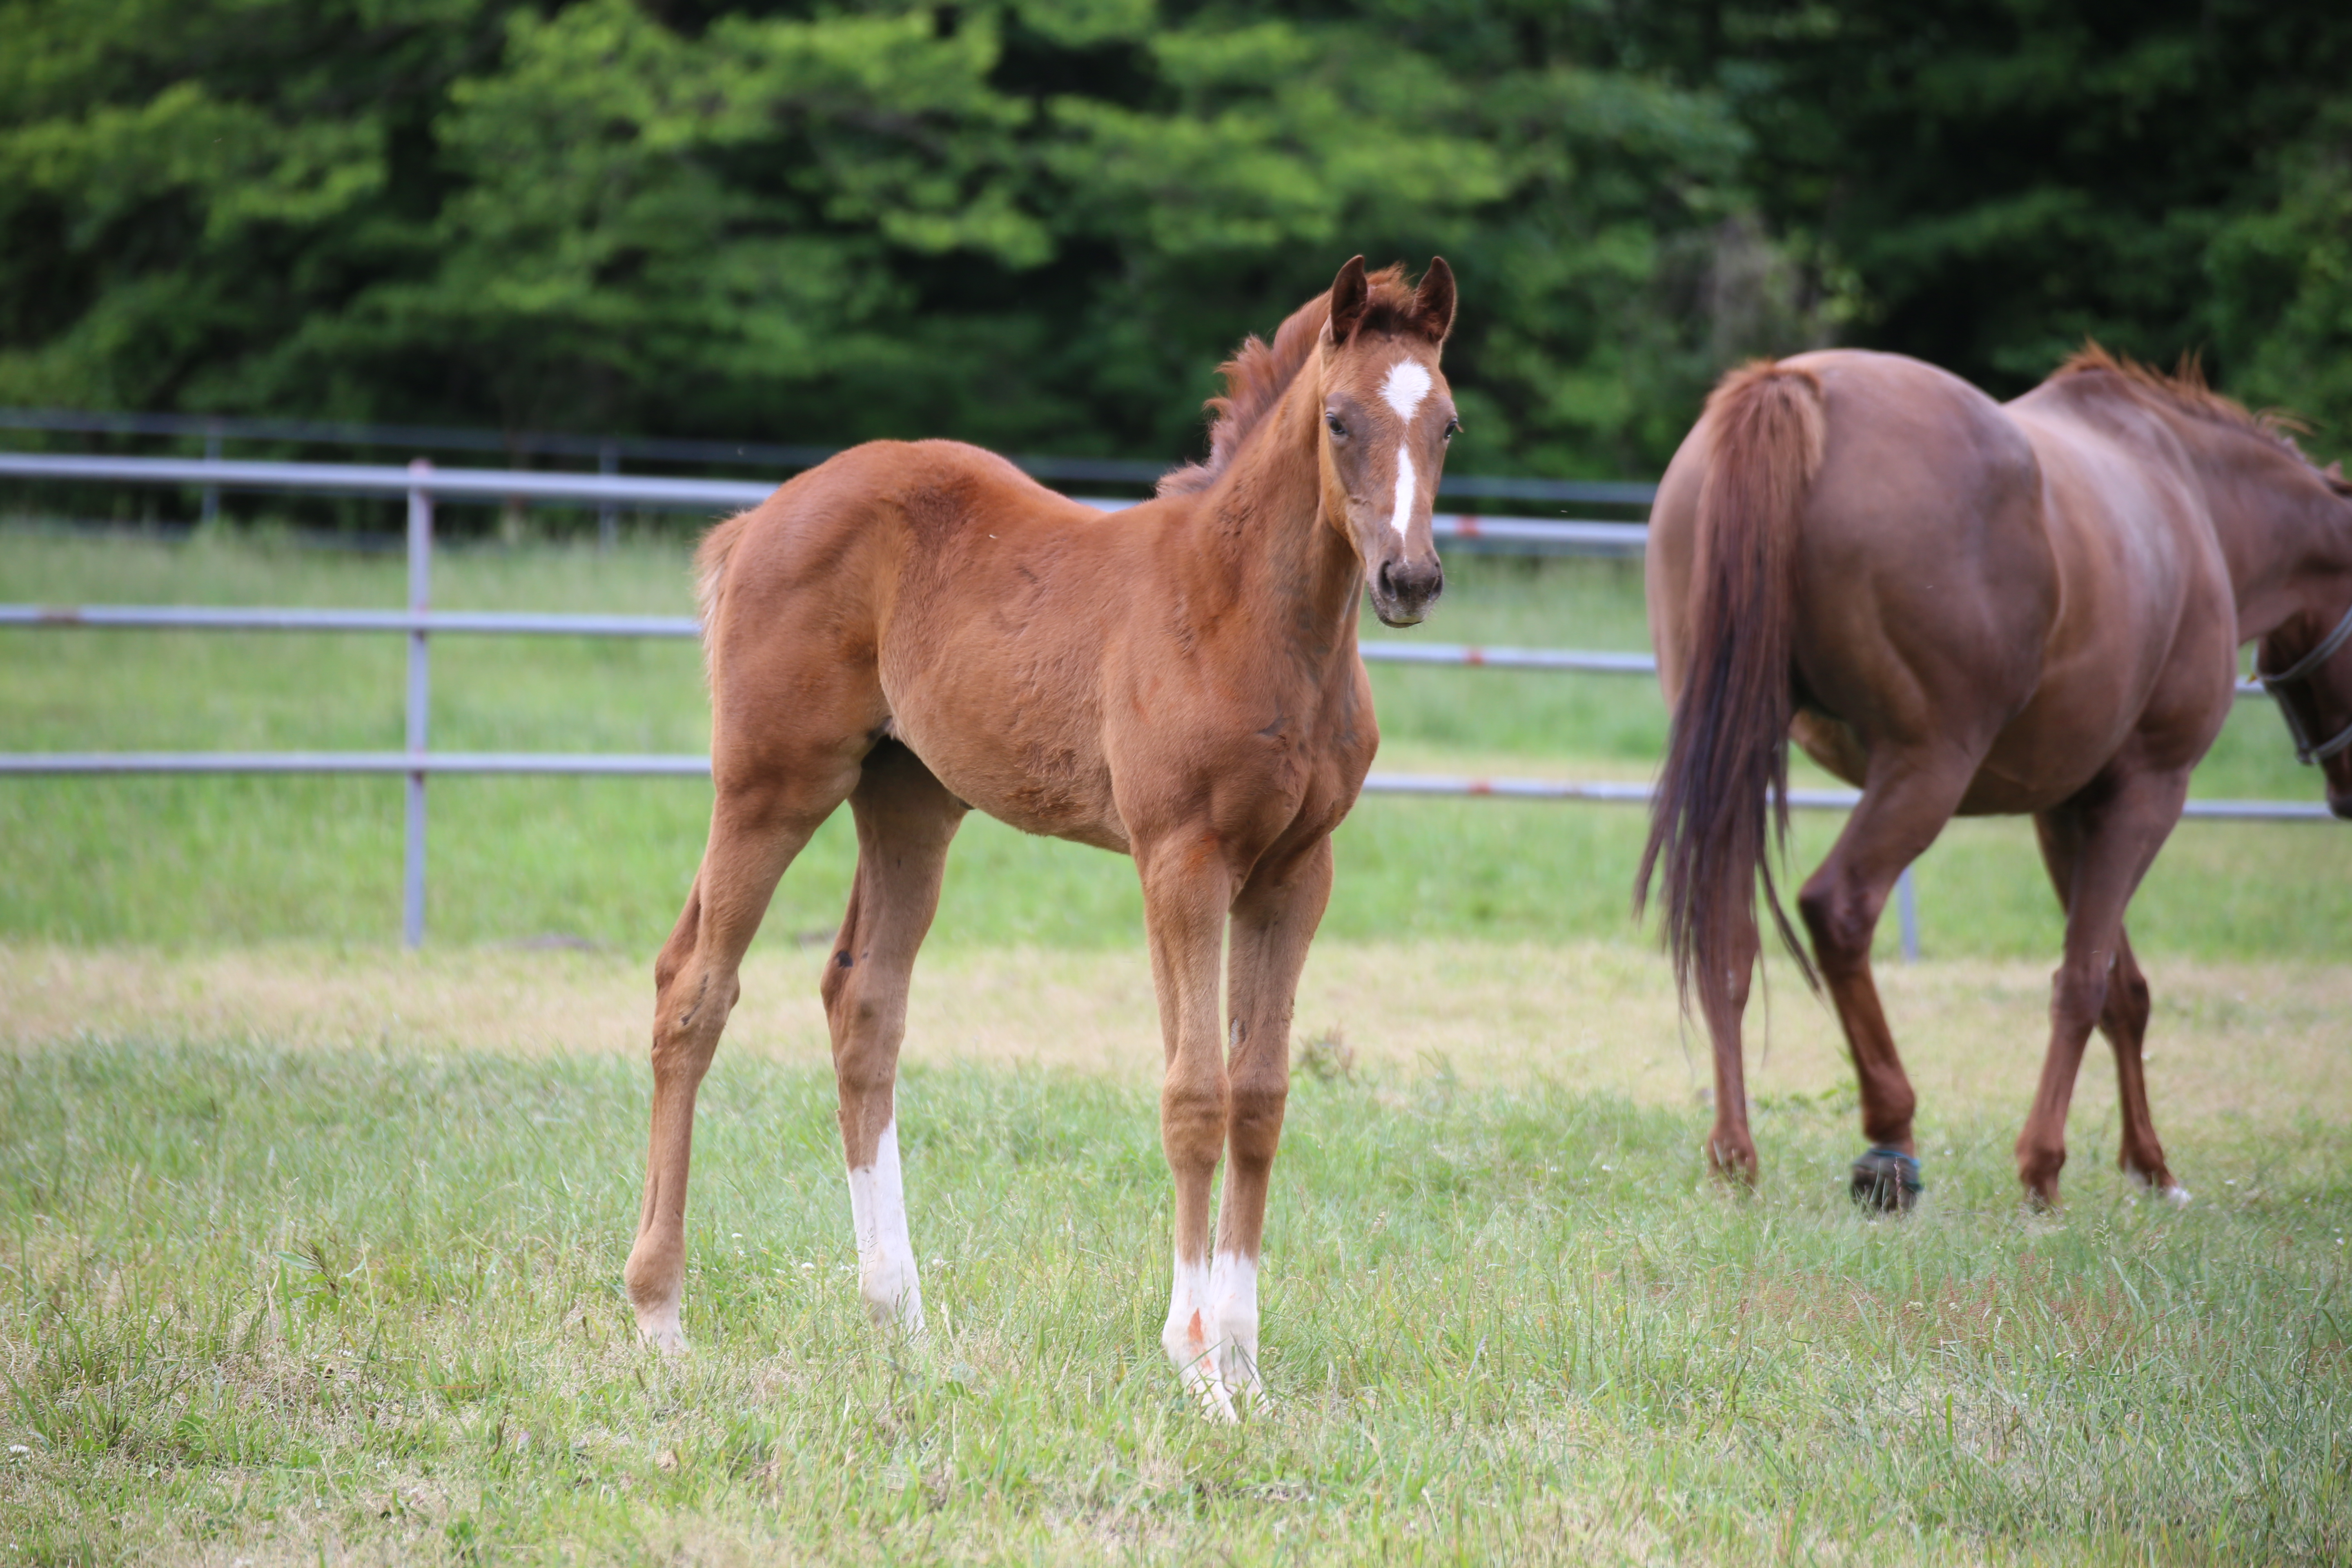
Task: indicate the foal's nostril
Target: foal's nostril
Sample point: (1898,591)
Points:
(1386,579)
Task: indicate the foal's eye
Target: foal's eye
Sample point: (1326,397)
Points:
(1337,428)
(1453,428)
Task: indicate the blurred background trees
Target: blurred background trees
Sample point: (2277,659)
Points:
(1038,224)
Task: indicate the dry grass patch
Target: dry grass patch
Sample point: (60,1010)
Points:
(2229,1040)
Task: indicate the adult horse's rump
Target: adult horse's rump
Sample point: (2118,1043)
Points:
(1970,609)
(919,629)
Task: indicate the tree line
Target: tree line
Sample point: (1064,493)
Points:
(1038,224)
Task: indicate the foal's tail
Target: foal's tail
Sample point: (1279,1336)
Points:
(1722,802)
(710,583)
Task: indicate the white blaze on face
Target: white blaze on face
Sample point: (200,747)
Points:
(1408,487)
(1407,384)
(886,1259)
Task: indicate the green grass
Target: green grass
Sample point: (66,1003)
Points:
(361,1304)
(302,1307)
(182,862)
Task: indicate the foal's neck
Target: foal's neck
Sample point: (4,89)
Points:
(1268,536)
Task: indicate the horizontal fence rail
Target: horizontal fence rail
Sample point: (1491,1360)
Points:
(421,484)
(496,486)
(264,618)
(686,764)
(610,450)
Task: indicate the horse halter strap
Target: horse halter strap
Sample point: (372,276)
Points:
(2305,752)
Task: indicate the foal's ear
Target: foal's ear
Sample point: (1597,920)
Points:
(1350,295)
(1433,302)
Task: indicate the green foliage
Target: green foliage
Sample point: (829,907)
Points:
(1033,225)
(2283,282)
(1038,224)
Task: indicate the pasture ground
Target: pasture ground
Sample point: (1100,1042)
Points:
(314,1256)
(310,1249)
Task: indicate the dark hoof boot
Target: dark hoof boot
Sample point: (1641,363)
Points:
(1887,1180)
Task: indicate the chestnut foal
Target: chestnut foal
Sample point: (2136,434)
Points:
(1965,608)
(919,628)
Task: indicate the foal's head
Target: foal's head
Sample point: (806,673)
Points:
(1387,417)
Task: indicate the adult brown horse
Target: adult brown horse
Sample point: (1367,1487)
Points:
(1967,609)
(919,629)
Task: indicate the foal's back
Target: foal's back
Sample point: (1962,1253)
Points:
(904,588)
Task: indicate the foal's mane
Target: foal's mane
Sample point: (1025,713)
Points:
(2185,389)
(1257,377)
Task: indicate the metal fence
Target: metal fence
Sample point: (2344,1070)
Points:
(422,485)
(216,430)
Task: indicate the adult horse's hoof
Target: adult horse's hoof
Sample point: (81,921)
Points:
(1887,1180)
(1732,1162)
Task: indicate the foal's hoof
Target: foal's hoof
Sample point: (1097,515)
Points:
(1887,1180)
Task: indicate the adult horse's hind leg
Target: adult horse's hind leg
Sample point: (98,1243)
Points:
(2123,1021)
(905,819)
(1272,922)
(756,829)
(1904,804)
(2097,847)
(1722,1004)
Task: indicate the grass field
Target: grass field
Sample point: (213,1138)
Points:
(302,1267)
(310,1249)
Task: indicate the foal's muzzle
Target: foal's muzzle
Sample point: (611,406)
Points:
(1403,590)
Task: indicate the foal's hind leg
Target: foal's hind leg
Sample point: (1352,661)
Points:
(905,818)
(756,828)
(1904,804)
(1272,922)
(2098,845)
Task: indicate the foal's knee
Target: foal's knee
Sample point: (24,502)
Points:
(1256,1121)
(1194,1112)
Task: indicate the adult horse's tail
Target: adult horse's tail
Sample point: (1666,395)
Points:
(1722,802)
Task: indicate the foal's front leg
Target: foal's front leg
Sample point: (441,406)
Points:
(1186,889)
(1272,922)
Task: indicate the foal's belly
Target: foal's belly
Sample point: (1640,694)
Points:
(1037,778)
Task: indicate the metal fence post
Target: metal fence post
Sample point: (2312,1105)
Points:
(608,516)
(420,694)
(1907,911)
(212,492)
